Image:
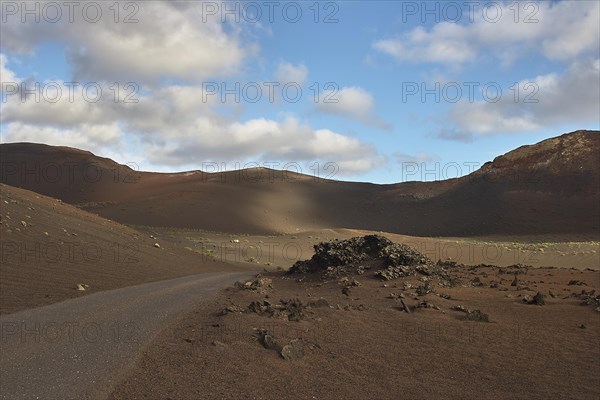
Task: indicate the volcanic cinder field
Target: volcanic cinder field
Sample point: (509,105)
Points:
(299,200)
(268,284)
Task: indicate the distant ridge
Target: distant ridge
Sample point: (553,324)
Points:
(545,188)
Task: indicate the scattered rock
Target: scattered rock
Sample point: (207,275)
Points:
(405,308)
(426,304)
(259,284)
(267,339)
(477,315)
(515,281)
(157,245)
(589,298)
(290,310)
(576,282)
(346,290)
(582,326)
(232,309)
(293,350)
(552,294)
(538,299)
(320,303)
(476,282)
(82,286)
(424,289)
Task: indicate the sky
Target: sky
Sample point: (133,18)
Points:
(374,91)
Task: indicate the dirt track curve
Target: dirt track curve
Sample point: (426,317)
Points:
(79,348)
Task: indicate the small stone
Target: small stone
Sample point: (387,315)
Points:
(292,351)
(157,245)
(318,303)
(477,315)
(538,299)
(582,326)
(267,339)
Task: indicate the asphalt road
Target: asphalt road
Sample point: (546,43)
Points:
(80,348)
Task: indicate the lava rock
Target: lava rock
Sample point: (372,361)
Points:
(293,350)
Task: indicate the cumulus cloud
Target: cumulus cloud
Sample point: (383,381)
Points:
(176,126)
(564,30)
(287,72)
(100,137)
(446,43)
(210,139)
(543,102)
(6,75)
(352,102)
(168,118)
(169,40)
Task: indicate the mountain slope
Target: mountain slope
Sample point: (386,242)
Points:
(549,187)
(47,248)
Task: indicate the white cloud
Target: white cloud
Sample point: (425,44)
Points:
(351,102)
(174,126)
(171,124)
(565,30)
(170,40)
(101,137)
(287,72)
(6,75)
(549,101)
(445,44)
(208,139)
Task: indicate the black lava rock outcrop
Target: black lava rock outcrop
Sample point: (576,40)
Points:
(387,259)
(352,252)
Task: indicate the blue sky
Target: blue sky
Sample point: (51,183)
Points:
(375,56)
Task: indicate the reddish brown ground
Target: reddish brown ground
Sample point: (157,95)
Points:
(525,352)
(537,205)
(61,246)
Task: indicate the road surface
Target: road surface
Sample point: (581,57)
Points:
(80,348)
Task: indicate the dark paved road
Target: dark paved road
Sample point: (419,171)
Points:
(78,349)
